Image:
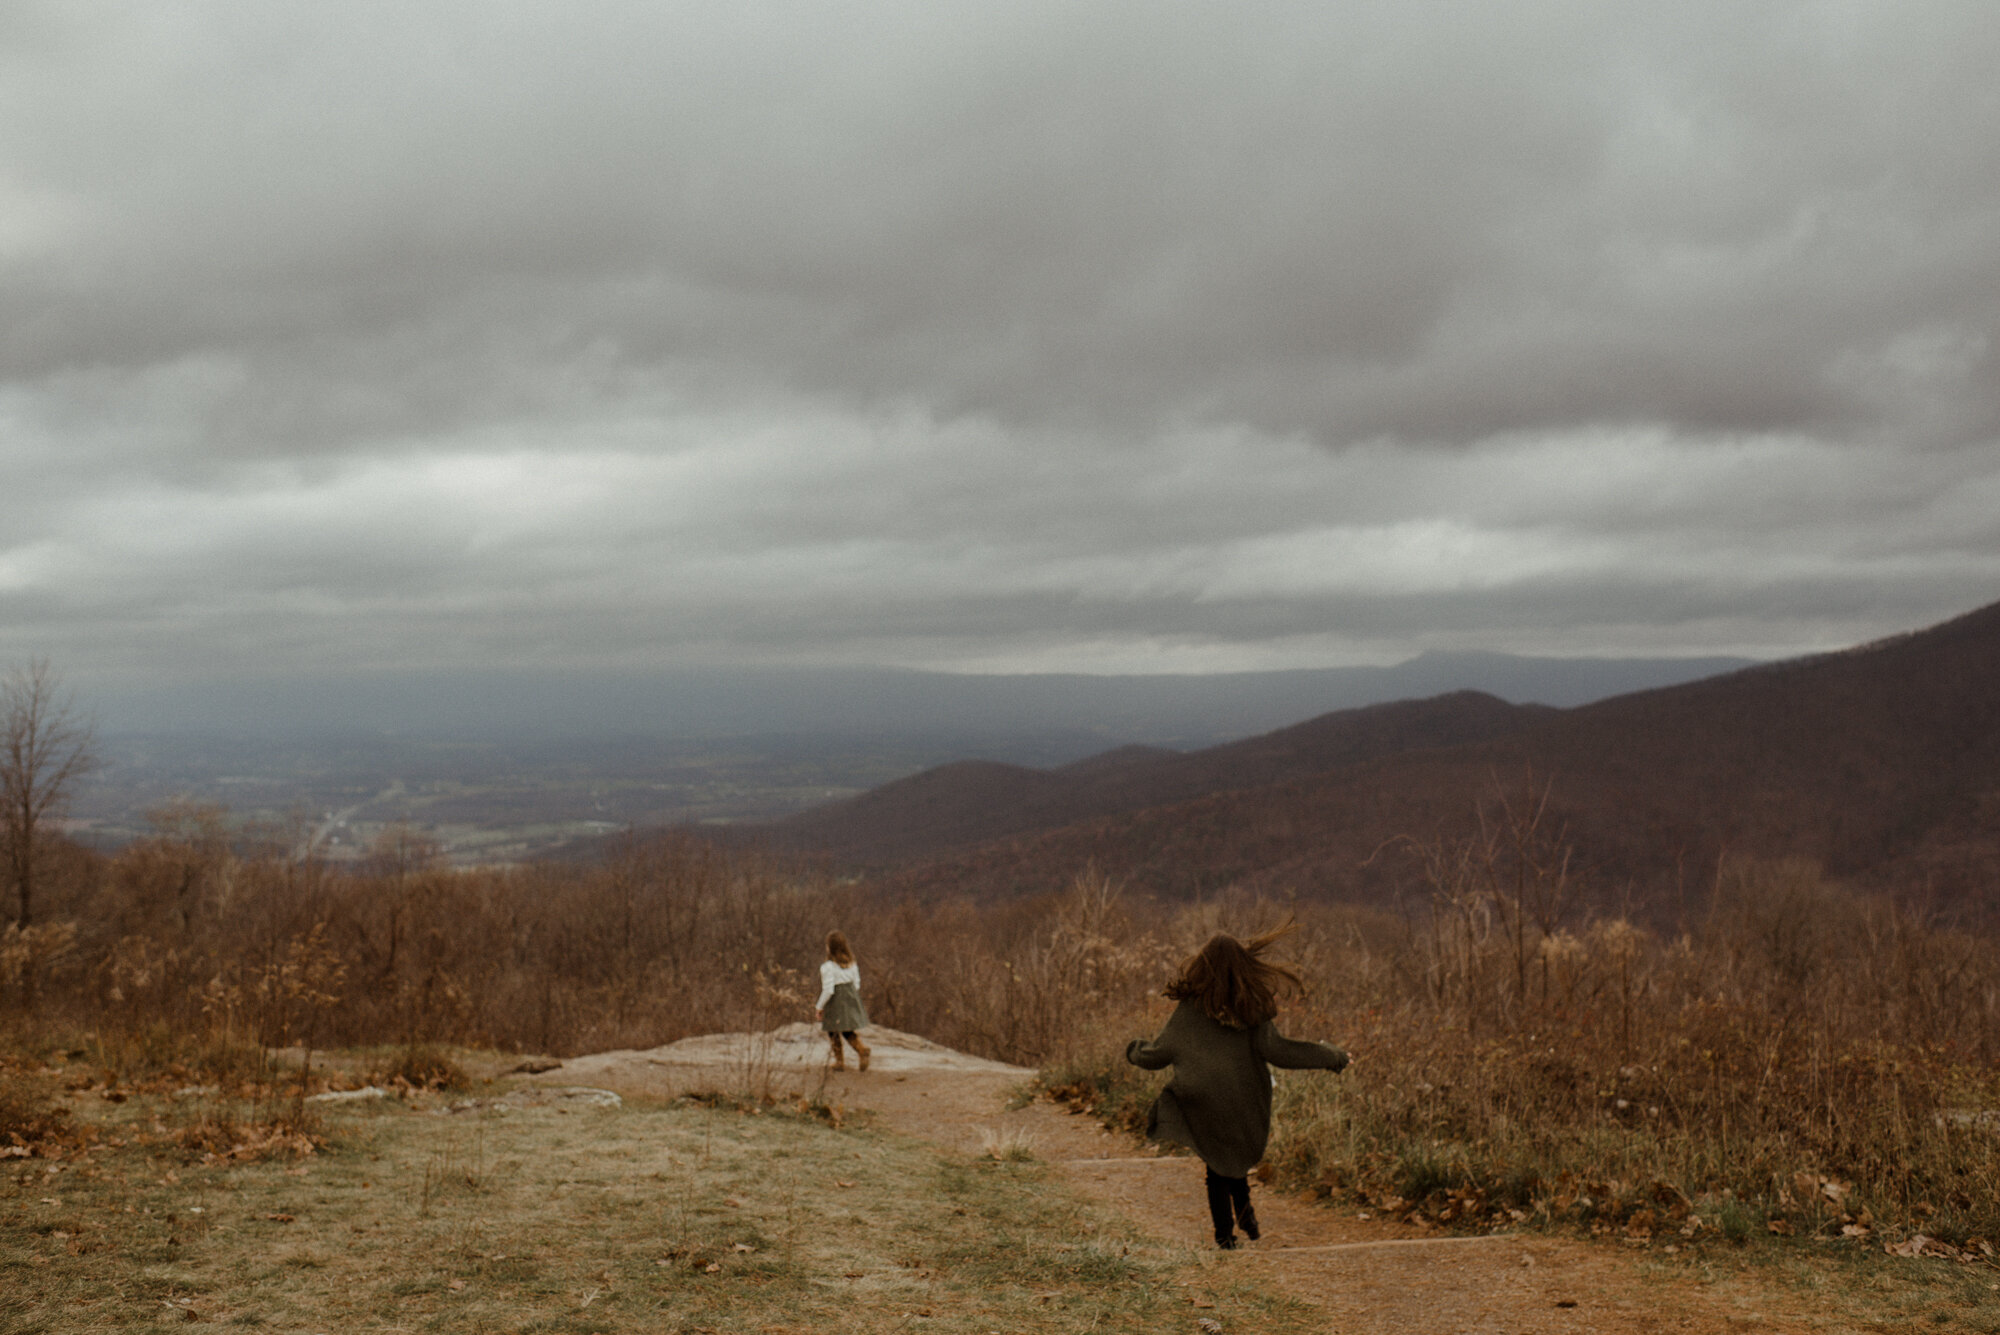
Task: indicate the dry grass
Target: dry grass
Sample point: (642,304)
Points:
(684,1217)
(184,952)
(1780,1054)
(1798,1080)
(1012,1144)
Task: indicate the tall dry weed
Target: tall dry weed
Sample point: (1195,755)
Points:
(1520,1047)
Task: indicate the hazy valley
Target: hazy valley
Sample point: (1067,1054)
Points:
(1705,969)
(502,770)
(480,802)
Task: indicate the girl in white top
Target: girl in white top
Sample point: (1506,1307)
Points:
(839,1009)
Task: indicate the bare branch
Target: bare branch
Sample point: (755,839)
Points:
(45,748)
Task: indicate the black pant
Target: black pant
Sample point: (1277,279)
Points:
(1228,1201)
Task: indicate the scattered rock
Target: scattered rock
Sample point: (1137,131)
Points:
(1971,1119)
(793,1047)
(543,1096)
(350,1095)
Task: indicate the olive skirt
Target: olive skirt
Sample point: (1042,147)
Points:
(844,1012)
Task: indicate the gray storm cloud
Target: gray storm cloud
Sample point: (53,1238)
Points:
(997,336)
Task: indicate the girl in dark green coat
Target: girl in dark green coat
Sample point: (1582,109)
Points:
(1222,1043)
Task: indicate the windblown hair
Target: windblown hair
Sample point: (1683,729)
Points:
(838,950)
(1232,982)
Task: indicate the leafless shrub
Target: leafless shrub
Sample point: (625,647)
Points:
(45,747)
(1511,1040)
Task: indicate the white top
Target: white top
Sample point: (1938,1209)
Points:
(832,975)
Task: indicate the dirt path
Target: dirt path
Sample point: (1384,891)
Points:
(1365,1275)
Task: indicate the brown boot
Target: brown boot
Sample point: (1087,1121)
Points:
(861,1051)
(840,1057)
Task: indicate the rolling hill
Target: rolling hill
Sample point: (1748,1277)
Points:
(974,801)
(1881,762)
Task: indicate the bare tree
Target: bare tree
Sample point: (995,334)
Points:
(45,747)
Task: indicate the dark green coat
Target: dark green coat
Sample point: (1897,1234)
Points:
(1219,1101)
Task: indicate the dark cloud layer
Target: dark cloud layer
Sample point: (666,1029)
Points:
(1020,336)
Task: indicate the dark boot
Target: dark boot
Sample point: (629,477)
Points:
(1221,1210)
(1239,1196)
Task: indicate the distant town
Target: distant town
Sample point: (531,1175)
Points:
(480,804)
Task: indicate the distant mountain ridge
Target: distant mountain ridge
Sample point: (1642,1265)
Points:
(976,800)
(1031,718)
(1882,762)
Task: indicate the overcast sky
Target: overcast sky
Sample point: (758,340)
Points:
(1019,336)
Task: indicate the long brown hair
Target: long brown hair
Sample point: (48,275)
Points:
(838,950)
(1232,982)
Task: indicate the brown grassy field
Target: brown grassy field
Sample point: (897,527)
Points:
(695,1215)
(1803,1065)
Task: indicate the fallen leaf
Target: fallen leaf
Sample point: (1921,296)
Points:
(280,1218)
(52,1200)
(1565,1302)
(838,1183)
(1782,1227)
(745,1247)
(1209,1325)
(456,1286)
(1854,1230)
(711,1267)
